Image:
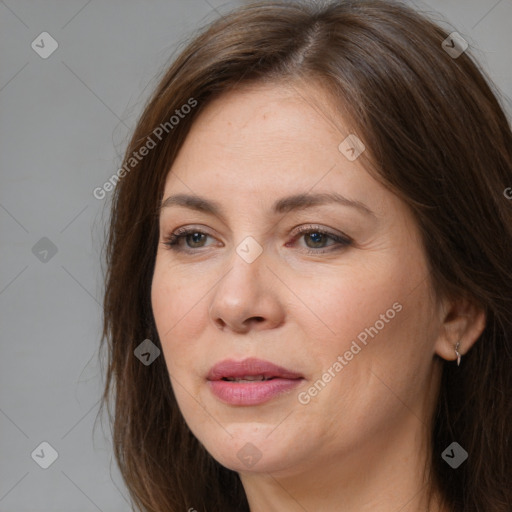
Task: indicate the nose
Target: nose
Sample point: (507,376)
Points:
(247,298)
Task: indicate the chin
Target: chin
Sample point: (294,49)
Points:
(248,458)
(250,449)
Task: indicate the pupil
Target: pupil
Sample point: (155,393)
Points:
(195,238)
(316,238)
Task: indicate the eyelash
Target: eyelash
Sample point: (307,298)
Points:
(172,240)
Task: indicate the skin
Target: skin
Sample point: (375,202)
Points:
(361,443)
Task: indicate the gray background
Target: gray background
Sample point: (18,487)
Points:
(63,126)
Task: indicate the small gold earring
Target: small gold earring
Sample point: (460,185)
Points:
(458,353)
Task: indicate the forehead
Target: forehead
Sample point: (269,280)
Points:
(266,131)
(271,114)
(264,142)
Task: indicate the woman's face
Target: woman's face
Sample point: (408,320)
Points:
(334,292)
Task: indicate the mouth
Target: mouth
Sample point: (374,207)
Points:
(251,381)
(247,378)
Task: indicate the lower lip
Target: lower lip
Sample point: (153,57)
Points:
(251,393)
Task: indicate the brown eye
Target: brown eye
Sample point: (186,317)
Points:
(195,239)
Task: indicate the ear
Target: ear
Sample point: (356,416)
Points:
(462,321)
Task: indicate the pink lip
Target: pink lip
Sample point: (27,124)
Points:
(250,393)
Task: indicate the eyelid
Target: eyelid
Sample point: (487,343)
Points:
(191,227)
(317,227)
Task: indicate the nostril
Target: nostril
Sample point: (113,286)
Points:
(220,322)
(258,319)
(239,327)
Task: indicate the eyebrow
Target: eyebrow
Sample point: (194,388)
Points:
(283,205)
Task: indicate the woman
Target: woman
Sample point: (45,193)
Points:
(309,282)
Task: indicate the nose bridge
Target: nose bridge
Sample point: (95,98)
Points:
(240,287)
(245,292)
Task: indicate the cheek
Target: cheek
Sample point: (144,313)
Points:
(373,319)
(376,364)
(179,314)
(340,307)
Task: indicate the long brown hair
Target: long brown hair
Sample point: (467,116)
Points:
(436,135)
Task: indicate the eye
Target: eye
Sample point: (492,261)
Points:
(186,239)
(316,238)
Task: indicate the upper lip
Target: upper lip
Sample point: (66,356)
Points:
(249,367)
